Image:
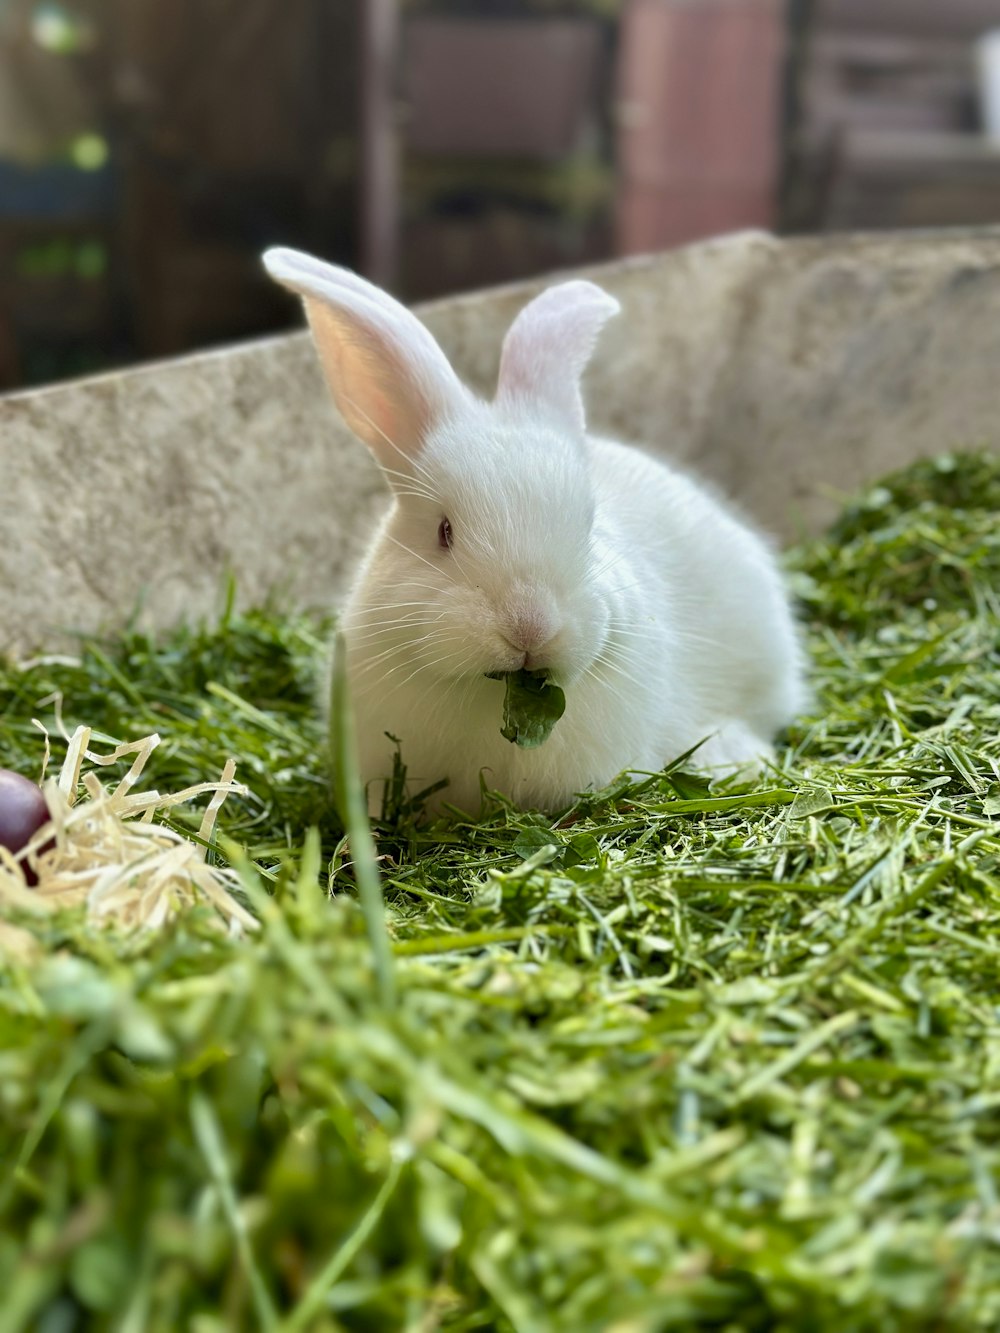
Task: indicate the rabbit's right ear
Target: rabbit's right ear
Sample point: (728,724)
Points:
(388,376)
(547,348)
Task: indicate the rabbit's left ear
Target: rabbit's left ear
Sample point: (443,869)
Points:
(548,346)
(390,379)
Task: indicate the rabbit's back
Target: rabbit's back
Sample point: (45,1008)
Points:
(717,581)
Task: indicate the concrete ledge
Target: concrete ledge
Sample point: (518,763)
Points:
(786,371)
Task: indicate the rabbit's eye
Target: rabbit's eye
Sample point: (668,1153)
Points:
(444,534)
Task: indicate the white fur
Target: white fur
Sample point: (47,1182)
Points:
(660,612)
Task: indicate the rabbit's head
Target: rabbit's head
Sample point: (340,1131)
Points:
(490,559)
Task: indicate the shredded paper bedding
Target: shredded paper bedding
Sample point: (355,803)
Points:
(110,849)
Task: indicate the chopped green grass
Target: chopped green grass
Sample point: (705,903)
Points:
(680,1059)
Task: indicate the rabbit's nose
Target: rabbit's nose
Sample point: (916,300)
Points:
(530,633)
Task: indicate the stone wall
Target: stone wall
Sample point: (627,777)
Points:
(786,371)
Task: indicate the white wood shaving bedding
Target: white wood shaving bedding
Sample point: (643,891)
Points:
(109,852)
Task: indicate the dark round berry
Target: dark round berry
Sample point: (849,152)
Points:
(22,812)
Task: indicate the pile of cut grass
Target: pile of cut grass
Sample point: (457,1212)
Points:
(680,1059)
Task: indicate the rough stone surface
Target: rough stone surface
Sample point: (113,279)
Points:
(850,358)
(787,372)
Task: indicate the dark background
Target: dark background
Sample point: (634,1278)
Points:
(150,149)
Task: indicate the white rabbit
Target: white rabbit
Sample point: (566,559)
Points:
(515,540)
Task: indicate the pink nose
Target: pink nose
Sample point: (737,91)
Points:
(529,632)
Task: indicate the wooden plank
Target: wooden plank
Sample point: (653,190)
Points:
(379,147)
(865,79)
(960,19)
(904,154)
(698,137)
(500,87)
(903,180)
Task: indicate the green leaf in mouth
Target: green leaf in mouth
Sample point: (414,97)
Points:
(532,706)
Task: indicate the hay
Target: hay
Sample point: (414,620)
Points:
(110,850)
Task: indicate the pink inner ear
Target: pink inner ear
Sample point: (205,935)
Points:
(380,392)
(387,408)
(388,376)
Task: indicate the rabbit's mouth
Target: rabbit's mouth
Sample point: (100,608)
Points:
(533,704)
